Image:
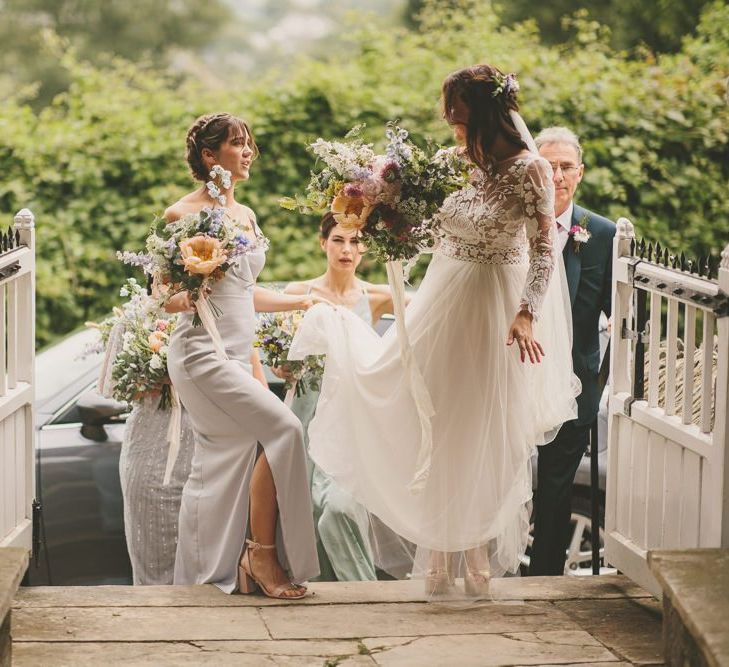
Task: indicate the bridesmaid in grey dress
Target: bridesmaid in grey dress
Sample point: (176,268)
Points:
(248,474)
(151,509)
(342,524)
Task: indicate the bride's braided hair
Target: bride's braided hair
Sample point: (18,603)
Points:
(210,131)
(488,102)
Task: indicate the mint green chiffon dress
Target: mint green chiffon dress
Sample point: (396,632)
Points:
(342,525)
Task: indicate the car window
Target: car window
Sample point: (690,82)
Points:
(71,414)
(63,363)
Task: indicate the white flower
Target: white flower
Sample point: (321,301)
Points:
(583,236)
(155,362)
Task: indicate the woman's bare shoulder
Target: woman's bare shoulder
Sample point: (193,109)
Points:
(182,207)
(379,289)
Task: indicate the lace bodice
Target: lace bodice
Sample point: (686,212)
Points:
(505,218)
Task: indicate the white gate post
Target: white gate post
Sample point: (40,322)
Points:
(25,225)
(17,382)
(721,410)
(620,353)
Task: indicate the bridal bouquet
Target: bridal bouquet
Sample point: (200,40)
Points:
(273,336)
(138,364)
(195,251)
(390,199)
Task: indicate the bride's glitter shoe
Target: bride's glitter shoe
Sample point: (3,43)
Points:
(476,582)
(438,581)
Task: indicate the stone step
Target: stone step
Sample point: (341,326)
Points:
(695,586)
(13,564)
(537,621)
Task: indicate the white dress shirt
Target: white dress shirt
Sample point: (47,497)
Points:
(564,223)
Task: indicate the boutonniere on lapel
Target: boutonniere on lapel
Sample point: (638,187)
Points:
(579,233)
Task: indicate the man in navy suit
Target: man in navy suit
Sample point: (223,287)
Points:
(585,240)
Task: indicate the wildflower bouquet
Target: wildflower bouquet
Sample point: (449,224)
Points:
(273,336)
(390,199)
(139,364)
(194,252)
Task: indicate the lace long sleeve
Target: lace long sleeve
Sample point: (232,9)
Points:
(538,198)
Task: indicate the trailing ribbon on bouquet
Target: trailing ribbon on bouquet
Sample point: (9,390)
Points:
(414,378)
(105,384)
(208,320)
(174,435)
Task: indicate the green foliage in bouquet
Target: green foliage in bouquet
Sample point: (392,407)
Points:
(274,334)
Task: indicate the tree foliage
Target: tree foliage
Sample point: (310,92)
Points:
(138,30)
(98,163)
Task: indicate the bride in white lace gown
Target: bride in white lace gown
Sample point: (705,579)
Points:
(490,331)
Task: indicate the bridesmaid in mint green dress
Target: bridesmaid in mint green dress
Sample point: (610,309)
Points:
(342,525)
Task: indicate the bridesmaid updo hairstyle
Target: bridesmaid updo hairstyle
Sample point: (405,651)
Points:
(326,225)
(210,131)
(482,89)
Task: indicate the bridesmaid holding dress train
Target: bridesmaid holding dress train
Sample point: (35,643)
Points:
(246,516)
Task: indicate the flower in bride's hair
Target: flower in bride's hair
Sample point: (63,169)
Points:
(351,211)
(202,254)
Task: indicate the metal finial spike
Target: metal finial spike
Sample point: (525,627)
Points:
(641,249)
(682,260)
(701,265)
(650,252)
(666,257)
(632,247)
(674,261)
(17,238)
(659,251)
(4,242)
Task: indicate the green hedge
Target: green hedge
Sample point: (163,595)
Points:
(97,164)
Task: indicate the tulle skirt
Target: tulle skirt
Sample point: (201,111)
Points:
(490,409)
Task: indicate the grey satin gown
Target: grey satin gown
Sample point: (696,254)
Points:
(232,413)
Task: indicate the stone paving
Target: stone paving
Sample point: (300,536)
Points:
(532,621)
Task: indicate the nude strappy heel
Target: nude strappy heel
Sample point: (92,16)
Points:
(247,582)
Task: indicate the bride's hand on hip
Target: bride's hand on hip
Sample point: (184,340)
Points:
(521,332)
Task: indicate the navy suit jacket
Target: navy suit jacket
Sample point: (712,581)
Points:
(589,278)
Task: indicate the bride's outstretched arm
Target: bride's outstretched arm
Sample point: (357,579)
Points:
(538,193)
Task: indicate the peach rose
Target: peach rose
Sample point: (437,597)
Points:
(350,211)
(156,340)
(202,254)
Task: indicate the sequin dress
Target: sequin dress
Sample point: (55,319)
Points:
(151,510)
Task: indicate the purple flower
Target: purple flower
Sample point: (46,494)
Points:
(390,171)
(352,190)
(139,259)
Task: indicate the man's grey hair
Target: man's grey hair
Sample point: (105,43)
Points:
(559,135)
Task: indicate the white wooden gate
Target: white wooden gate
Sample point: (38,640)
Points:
(17,368)
(668,440)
